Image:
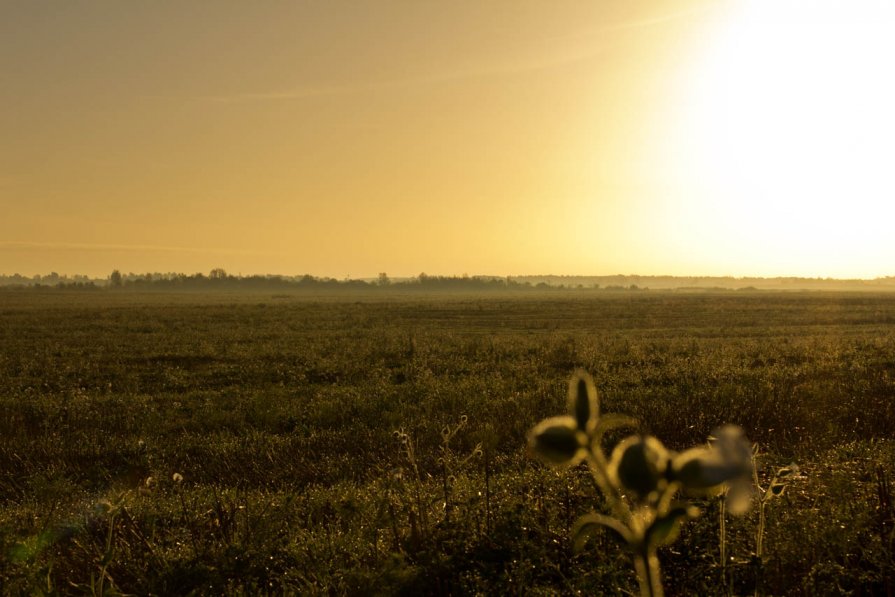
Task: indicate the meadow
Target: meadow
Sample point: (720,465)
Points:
(375,443)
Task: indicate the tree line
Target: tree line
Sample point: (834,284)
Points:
(221,280)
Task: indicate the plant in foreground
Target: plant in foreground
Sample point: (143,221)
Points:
(641,477)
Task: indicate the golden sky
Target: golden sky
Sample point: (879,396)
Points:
(346,138)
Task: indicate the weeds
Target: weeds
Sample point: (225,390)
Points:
(410,492)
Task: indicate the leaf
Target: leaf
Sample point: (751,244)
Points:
(693,469)
(739,496)
(584,403)
(556,440)
(639,463)
(732,447)
(702,468)
(588,525)
(665,529)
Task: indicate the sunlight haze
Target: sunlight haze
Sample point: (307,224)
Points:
(351,138)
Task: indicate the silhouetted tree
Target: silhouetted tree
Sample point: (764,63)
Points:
(115,278)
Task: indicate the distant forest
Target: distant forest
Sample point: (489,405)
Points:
(219,280)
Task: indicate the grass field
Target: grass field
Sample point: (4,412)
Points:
(377,444)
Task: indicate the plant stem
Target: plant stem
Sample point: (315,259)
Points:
(648,573)
(599,471)
(726,578)
(759,546)
(646,563)
(487,458)
(759,534)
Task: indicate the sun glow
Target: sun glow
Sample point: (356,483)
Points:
(790,125)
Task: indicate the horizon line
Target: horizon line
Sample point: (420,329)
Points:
(240,275)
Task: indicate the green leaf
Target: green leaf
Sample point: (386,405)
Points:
(584,403)
(588,525)
(557,440)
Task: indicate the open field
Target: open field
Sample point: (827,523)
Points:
(280,412)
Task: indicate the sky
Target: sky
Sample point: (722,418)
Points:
(512,137)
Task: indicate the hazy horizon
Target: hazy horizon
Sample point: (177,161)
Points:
(344,140)
(433,274)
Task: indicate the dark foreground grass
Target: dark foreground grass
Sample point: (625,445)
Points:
(280,413)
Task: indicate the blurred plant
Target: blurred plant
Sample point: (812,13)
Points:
(775,488)
(641,477)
